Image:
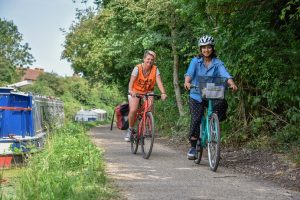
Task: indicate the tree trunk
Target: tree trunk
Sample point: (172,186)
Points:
(176,67)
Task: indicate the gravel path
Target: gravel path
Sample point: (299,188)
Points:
(169,175)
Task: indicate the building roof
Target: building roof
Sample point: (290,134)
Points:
(98,111)
(90,112)
(21,84)
(86,112)
(32,74)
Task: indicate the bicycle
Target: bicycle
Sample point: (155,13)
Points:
(144,124)
(210,134)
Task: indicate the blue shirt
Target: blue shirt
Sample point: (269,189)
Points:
(197,68)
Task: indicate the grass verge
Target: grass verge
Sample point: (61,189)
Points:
(70,167)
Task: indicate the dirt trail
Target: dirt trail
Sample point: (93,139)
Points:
(169,175)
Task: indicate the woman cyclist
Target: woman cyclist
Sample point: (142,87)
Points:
(142,81)
(206,64)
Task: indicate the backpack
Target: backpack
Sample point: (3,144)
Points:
(121,112)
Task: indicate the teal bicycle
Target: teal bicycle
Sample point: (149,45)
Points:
(211,88)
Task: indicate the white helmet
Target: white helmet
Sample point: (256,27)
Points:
(206,40)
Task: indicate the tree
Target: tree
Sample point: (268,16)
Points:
(257,40)
(108,45)
(7,71)
(10,45)
(12,52)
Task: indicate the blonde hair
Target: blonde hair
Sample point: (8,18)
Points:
(149,52)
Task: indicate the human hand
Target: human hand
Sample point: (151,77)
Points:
(132,94)
(187,86)
(163,96)
(233,87)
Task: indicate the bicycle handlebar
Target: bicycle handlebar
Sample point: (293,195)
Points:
(156,96)
(194,86)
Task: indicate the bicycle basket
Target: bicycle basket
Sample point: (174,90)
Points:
(212,87)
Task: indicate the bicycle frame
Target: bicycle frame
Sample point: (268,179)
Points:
(205,135)
(145,126)
(145,107)
(210,137)
(210,134)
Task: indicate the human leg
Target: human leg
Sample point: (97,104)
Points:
(196,110)
(133,106)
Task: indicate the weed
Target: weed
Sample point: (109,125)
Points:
(70,167)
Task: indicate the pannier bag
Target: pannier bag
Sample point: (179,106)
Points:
(121,112)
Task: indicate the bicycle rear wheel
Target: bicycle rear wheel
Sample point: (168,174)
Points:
(147,138)
(199,152)
(199,147)
(134,137)
(214,150)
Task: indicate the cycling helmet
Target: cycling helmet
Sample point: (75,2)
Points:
(206,40)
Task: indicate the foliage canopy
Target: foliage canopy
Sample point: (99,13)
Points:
(257,40)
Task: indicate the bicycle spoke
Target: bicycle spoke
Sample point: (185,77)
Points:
(134,139)
(147,138)
(214,142)
(199,147)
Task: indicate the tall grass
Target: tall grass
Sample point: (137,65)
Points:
(70,167)
(1,190)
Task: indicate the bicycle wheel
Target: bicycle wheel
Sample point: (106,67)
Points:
(147,138)
(214,142)
(134,137)
(199,147)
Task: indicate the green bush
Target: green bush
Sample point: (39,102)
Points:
(70,167)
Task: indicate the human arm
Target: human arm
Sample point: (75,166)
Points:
(189,74)
(232,85)
(187,82)
(224,73)
(161,87)
(130,85)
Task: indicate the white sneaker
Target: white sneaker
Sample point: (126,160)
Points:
(127,136)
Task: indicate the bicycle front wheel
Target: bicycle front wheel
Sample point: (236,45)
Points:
(147,138)
(134,137)
(214,141)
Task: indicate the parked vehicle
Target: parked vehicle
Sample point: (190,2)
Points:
(25,119)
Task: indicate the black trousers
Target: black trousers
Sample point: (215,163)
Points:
(197,111)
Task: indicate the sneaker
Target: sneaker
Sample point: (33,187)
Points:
(127,136)
(191,155)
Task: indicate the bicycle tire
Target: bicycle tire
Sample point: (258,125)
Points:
(199,147)
(134,138)
(214,151)
(147,138)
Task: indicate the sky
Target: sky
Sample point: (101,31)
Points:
(39,22)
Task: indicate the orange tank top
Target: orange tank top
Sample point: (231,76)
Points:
(144,84)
